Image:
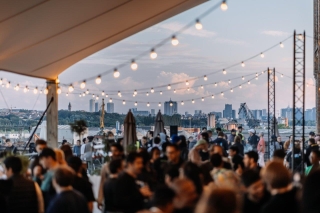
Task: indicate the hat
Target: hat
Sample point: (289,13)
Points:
(218,129)
(239,127)
(233,130)
(312,133)
(175,139)
(252,131)
(200,142)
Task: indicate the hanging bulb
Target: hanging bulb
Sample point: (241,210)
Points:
(281,45)
(160,92)
(147,94)
(97,98)
(84,94)
(152,90)
(57,80)
(212,96)
(59,90)
(242,78)
(134,65)
(205,78)
(153,54)
(248,82)
(198,25)
(169,87)
(300,37)
(18,87)
(222,94)
(202,99)
(281,75)
(231,90)
(240,86)
(119,93)
(135,103)
(83,85)
(135,92)
(102,93)
(174,41)
(80,95)
(187,82)
(182,103)
(25,89)
(116,73)
(70,88)
(201,87)
(1,81)
(87,92)
(192,101)
(224,71)
(262,55)
(171,104)
(107,96)
(229,81)
(67,94)
(188,89)
(40,91)
(45,91)
(8,84)
(224,5)
(110,100)
(35,91)
(148,104)
(242,64)
(215,84)
(93,95)
(123,102)
(134,95)
(256,77)
(159,104)
(174,91)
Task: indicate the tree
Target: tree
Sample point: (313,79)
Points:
(79,126)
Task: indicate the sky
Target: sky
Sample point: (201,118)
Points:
(228,37)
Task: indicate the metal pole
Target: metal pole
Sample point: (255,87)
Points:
(304,100)
(294,100)
(269,136)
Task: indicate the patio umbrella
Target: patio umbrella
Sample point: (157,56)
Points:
(129,134)
(159,125)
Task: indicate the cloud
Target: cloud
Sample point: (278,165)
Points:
(229,41)
(275,33)
(175,26)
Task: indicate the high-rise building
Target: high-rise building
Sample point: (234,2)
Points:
(211,120)
(170,107)
(264,112)
(91,105)
(69,107)
(217,114)
(197,112)
(110,107)
(310,114)
(234,114)
(153,112)
(227,112)
(96,107)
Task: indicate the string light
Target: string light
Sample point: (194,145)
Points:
(1,81)
(281,75)
(59,90)
(71,88)
(80,95)
(174,41)
(198,25)
(202,99)
(300,36)
(224,5)
(135,103)
(25,89)
(148,104)
(187,82)
(110,100)
(83,85)
(147,94)
(242,64)
(40,91)
(222,94)
(98,80)
(152,90)
(205,78)
(67,94)
(93,95)
(174,91)
(169,87)
(281,45)
(240,86)
(212,96)
(201,87)
(231,90)
(84,94)
(192,101)
(102,93)
(188,89)
(97,97)
(116,73)
(87,92)
(107,96)
(159,104)
(171,104)
(45,91)
(153,54)
(262,55)
(119,93)
(215,84)
(229,81)
(123,102)
(57,80)
(182,103)
(256,77)
(35,90)
(242,78)
(135,92)
(134,65)
(248,82)
(18,87)
(8,84)
(256,74)
(160,92)
(224,71)
(134,95)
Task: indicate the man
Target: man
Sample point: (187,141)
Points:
(129,197)
(253,139)
(192,142)
(40,145)
(175,139)
(296,157)
(67,199)
(144,142)
(255,193)
(194,154)
(64,142)
(221,141)
(314,160)
(10,148)
(261,149)
(81,184)
(21,194)
(156,143)
(48,161)
(87,156)
(240,132)
(210,136)
(219,150)
(284,195)
(84,140)
(250,161)
(76,149)
(232,137)
(235,157)
(173,155)
(150,138)
(312,145)
(162,201)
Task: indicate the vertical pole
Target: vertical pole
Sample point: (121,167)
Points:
(269,111)
(294,100)
(303,100)
(52,114)
(274,102)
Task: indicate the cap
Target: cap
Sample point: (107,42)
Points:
(200,142)
(175,139)
(218,129)
(233,130)
(312,133)
(252,131)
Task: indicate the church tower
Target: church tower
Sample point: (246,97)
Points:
(69,107)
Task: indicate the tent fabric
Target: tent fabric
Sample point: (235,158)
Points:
(159,125)
(130,133)
(42,38)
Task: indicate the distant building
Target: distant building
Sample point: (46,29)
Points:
(170,107)
(110,107)
(91,105)
(211,121)
(257,113)
(96,107)
(217,114)
(153,112)
(310,114)
(197,112)
(234,114)
(69,107)
(141,113)
(227,112)
(264,112)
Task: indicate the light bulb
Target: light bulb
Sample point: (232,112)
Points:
(224,5)
(147,94)
(201,87)
(107,96)
(169,87)
(135,92)
(40,91)
(93,95)
(119,93)
(152,90)
(192,101)
(281,45)
(148,104)
(45,91)
(35,91)
(87,92)
(229,81)
(242,78)
(242,64)
(97,98)
(215,84)
(171,104)
(80,95)
(262,55)
(18,87)
(187,83)
(123,102)
(25,89)
(57,80)
(153,54)
(224,71)
(188,89)
(248,82)
(159,104)
(240,86)
(84,94)
(257,78)
(174,41)
(67,94)
(59,90)
(231,90)
(70,88)
(83,85)
(222,94)
(160,92)
(300,37)
(1,81)
(174,91)
(135,103)
(281,75)
(205,78)
(198,25)
(307,85)
(212,96)
(8,84)
(110,100)
(116,73)
(182,103)
(134,65)
(102,93)
(256,74)
(202,99)
(134,95)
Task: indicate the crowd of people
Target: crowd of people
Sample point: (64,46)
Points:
(214,172)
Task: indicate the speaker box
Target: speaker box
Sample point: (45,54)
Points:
(173,130)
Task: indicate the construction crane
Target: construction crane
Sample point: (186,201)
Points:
(251,121)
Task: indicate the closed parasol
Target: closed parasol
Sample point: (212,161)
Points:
(159,125)
(130,133)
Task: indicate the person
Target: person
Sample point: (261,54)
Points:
(67,151)
(205,136)
(237,143)
(115,168)
(162,201)
(87,156)
(81,184)
(129,197)
(60,157)
(240,132)
(173,155)
(10,148)
(76,149)
(154,155)
(192,172)
(250,161)
(232,136)
(253,139)
(48,161)
(274,145)
(279,155)
(281,143)
(314,160)
(67,199)
(255,196)
(156,143)
(296,157)
(184,151)
(210,136)
(219,150)
(175,139)
(194,154)
(236,159)
(311,193)
(284,196)
(287,146)
(218,130)
(192,142)
(21,194)
(150,138)
(171,173)
(312,145)
(84,140)
(261,149)
(221,141)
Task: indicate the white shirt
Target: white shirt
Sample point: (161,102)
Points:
(82,149)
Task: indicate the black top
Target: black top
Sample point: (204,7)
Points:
(253,141)
(84,187)
(236,160)
(308,151)
(109,190)
(240,147)
(68,202)
(204,155)
(221,142)
(253,207)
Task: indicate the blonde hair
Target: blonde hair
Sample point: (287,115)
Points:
(60,157)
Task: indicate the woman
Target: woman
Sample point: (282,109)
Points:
(237,142)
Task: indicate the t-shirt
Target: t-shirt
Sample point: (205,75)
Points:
(68,202)
(84,187)
(108,194)
(252,207)
(261,145)
(82,149)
